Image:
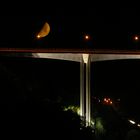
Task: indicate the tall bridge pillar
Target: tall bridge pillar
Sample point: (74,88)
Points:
(85,95)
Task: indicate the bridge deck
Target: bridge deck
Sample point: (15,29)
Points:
(65,50)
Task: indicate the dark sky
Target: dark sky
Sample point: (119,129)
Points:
(109,27)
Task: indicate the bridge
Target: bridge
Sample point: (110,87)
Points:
(84,57)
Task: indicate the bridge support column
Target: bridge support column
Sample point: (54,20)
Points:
(88,94)
(85,95)
(82,89)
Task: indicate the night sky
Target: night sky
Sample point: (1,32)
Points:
(109,27)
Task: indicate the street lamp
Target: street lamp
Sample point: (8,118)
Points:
(38,36)
(136,38)
(87,37)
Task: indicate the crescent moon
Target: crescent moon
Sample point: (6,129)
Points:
(44,31)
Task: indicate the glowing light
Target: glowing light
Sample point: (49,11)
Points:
(111,102)
(85,58)
(38,36)
(86,37)
(132,122)
(138,125)
(105,99)
(136,38)
(92,123)
(75,109)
